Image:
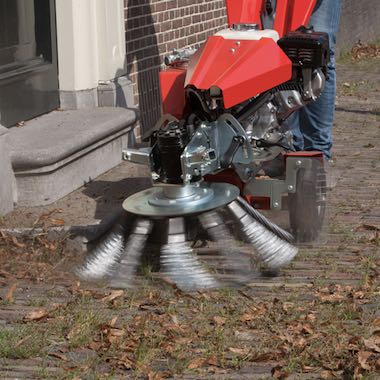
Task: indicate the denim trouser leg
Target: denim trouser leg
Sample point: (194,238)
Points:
(312,125)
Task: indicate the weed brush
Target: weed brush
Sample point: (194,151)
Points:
(220,152)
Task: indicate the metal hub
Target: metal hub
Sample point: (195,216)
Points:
(170,201)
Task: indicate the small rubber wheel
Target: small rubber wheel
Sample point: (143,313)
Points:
(307,206)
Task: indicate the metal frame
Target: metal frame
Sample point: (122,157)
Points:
(275,188)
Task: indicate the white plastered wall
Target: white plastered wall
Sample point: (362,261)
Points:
(90,42)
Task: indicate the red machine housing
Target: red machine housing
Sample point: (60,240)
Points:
(172,83)
(240,68)
(290,14)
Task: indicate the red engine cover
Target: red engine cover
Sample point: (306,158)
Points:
(241,69)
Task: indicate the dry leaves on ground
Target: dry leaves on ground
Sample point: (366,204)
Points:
(36,315)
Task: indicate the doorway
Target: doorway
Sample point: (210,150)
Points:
(28,60)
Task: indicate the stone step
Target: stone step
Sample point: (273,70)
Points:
(59,152)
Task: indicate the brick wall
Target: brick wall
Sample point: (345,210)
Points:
(154,28)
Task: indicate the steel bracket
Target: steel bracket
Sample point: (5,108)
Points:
(275,188)
(141,156)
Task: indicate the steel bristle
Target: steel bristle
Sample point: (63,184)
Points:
(281,233)
(234,262)
(271,249)
(105,255)
(121,253)
(125,272)
(181,266)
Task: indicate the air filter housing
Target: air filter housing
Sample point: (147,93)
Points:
(306,48)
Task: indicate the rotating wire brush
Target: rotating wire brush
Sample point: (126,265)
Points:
(166,245)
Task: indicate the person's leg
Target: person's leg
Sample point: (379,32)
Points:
(316,119)
(292,123)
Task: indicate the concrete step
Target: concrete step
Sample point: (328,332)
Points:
(57,153)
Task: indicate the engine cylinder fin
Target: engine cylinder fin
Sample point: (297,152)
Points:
(104,256)
(277,230)
(125,272)
(273,251)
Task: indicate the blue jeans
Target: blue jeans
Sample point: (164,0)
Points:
(312,125)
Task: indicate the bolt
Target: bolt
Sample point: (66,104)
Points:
(232,50)
(298,163)
(290,187)
(276,205)
(238,43)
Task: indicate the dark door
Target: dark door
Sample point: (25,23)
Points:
(28,60)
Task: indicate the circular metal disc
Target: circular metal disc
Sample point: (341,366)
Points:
(153,202)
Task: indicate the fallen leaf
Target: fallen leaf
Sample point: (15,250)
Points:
(359,295)
(126,362)
(5,274)
(373,343)
(174,319)
(196,363)
(332,298)
(219,321)
(212,360)
(247,317)
(327,375)
(36,315)
(9,297)
(279,373)
(95,346)
(113,321)
(155,376)
(57,222)
(113,295)
(307,368)
(287,306)
(17,243)
(115,334)
(311,317)
(300,343)
(363,356)
(59,356)
(267,356)
(306,329)
(376,322)
(239,351)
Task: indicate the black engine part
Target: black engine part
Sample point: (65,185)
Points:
(171,142)
(307,48)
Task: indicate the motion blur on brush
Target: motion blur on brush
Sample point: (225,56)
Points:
(219,155)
